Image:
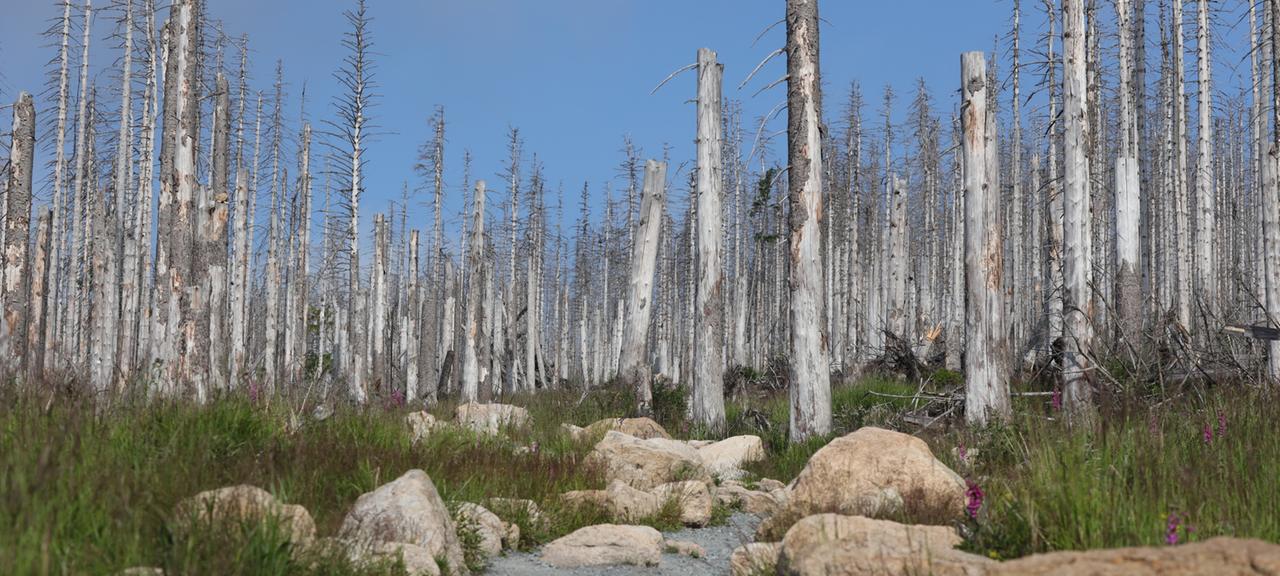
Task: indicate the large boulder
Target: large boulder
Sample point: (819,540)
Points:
(725,458)
(407,511)
(692,496)
(1215,556)
(420,425)
(494,533)
(646,463)
(605,545)
(871,472)
(244,504)
(755,559)
(835,545)
(490,418)
(642,428)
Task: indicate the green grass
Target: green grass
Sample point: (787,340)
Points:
(91,491)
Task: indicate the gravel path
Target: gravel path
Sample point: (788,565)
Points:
(719,541)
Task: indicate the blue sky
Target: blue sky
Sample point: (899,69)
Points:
(574,76)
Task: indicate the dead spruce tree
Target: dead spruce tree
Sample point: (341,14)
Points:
(1077,337)
(987,392)
(471,335)
(634,363)
(708,348)
(808,371)
(14,291)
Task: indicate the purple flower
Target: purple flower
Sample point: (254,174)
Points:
(962,453)
(1171,529)
(1057,400)
(1208,434)
(1222,424)
(254,390)
(974,495)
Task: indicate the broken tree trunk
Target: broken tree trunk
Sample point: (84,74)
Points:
(644,256)
(471,360)
(987,392)
(708,356)
(17,230)
(809,369)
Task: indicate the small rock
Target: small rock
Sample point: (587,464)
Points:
(494,533)
(417,561)
(694,499)
(755,559)
(420,425)
(769,485)
(490,418)
(642,428)
(575,433)
(626,504)
(683,548)
(605,545)
(726,457)
(407,511)
(321,412)
(244,503)
(141,571)
(756,502)
(646,464)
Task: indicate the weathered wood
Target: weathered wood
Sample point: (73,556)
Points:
(471,338)
(987,392)
(808,371)
(1077,273)
(708,345)
(14,289)
(634,363)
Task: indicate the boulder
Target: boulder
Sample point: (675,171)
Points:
(758,502)
(626,504)
(517,510)
(406,511)
(835,545)
(417,561)
(683,548)
(693,497)
(490,418)
(755,559)
(244,503)
(726,457)
(642,428)
(494,533)
(420,425)
(769,485)
(605,545)
(870,472)
(575,433)
(646,463)
(1214,556)
(581,498)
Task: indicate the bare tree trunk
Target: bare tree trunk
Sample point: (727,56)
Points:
(1206,282)
(17,232)
(52,334)
(987,392)
(471,361)
(897,256)
(39,302)
(708,348)
(635,364)
(1076,267)
(411,323)
(1127,197)
(809,369)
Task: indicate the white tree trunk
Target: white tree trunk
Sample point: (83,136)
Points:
(471,360)
(1076,267)
(634,361)
(809,369)
(708,347)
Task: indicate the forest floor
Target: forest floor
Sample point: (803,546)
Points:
(87,489)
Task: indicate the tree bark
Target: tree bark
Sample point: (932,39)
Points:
(809,370)
(17,231)
(635,364)
(1076,267)
(708,348)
